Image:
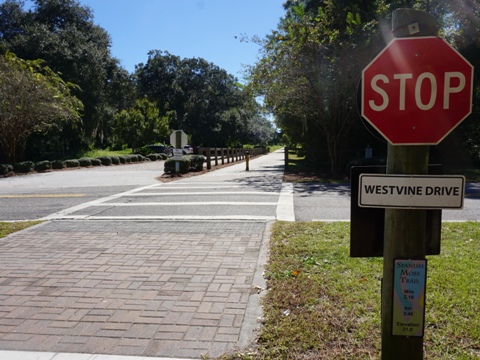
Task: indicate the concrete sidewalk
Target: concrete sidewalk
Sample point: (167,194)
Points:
(157,289)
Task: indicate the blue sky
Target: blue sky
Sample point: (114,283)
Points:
(187,28)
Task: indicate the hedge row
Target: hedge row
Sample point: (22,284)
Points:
(188,163)
(30,166)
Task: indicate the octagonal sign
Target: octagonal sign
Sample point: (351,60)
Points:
(417,90)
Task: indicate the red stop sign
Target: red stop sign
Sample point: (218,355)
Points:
(417,90)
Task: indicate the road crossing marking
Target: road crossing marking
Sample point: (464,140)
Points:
(283,211)
(285,207)
(188,203)
(205,193)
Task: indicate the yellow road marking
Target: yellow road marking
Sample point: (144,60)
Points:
(40,196)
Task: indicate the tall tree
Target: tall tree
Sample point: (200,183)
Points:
(141,125)
(199,97)
(33,98)
(62,33)
(310,70)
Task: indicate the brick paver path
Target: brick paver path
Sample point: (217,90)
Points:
(139,288)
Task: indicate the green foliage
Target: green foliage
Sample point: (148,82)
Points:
(85,161)
(124,159)
(7,228)
(23,167)
(200,98)
(196,162)
(308,74)
(96,162)
(58,164)
(5,169)
(184,164)
(41,166)
(141,124)
(115,160)
(155,157)
(63,33)
(71,163)
(105,160)
(34,100)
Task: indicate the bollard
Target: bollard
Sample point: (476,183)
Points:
(247,156)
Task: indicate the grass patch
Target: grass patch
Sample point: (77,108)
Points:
(276,147)
(7,228)
(322,304)
(94,153)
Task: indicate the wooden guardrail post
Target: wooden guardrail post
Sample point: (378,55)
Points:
(286,149)
(209,159)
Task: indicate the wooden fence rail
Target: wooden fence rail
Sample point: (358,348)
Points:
(227,155)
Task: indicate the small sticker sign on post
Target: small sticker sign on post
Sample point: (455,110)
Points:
(410,277)
(177,154)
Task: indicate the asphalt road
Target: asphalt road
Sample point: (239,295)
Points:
(34,196)
(133,192)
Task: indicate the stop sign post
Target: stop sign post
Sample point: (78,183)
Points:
(417,90)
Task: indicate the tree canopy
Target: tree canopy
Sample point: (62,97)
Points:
(199,98)
(311,66)
(63,34)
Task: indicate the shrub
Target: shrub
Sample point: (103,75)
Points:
(105,160)
(23,167)
(5,169)
(58,164)
(72,163)
(156,156)
(85,161)
(96,162)
(42,166)
(152,157)
(115,160)
(144,150)
(196,162)
(139,157)
(169,166)
(123,159)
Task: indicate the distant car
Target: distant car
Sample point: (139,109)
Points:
(187,150)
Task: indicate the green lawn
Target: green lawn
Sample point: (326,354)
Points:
(11,227)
